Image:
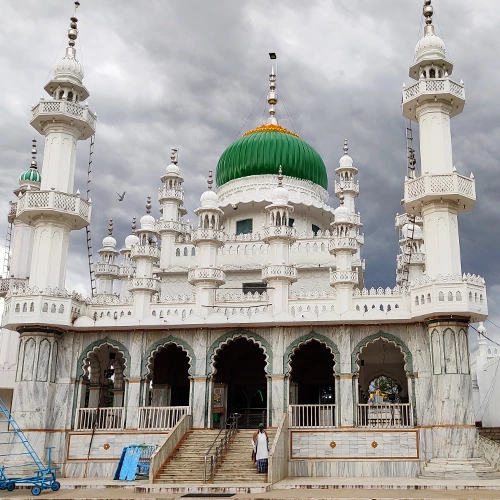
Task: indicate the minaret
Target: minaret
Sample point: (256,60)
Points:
(207,239)
(146,254)
(440,193)
(347,188)
(127,268)
(171,198)
(55,210)
(107,270)
(410,263)
(279,235)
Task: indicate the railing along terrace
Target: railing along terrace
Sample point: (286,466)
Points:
(160,417)
(385,415)
(311,416)
(100,418)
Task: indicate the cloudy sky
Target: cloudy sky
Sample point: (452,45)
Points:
(188,73)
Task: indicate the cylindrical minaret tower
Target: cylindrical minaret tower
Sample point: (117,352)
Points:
(127,268)
(279,235)
(54,211)
(107,271)
(146,254)
(440,193)
(206,276)
(410,263)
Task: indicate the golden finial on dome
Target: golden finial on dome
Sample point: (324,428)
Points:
(271,128)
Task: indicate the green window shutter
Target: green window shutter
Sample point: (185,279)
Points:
(244,226)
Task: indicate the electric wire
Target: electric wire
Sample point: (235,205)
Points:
(491,340)
(251,113)
(292,121)
(55,59)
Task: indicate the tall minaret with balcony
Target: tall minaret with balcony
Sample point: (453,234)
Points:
(107,269)
(440,193)
(171,198)
(347,187)
(206,276)
(54,211)
(279,235)
(146,254)
(410,262)
(127,267)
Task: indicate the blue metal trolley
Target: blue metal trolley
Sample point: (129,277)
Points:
(41,477)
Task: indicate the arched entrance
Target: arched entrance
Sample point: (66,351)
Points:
(240,383)
(168,378)
(312,386)
(383,386)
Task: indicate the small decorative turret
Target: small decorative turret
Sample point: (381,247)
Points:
(127,268)
(106,270)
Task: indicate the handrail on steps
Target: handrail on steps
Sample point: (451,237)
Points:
(215,458)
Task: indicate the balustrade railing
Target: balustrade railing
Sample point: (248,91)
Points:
(160,418)
(283,231)
(437,186)
(103,268)
(208,234)
(166,193)
(206,273)
(342,243)
(311,416)
(385,415)
(102,419)
(56,106)
(430,85)
(279,271)
(344,277)
(145,284)
(341,186)
(145,251)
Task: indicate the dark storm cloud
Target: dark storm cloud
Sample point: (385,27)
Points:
(188,73)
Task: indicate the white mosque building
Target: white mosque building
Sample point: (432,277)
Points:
(260,309)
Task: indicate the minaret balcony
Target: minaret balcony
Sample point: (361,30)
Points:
(279,272)
(343,277)
(166,194)
(104,270)
(144,285)
(441,187)
(58,110)
(12,211)
(145,251)
(415,258)
(126,271)
(12,284)
(286,233)
(403,219)
(429,89)
(346,187)
(212,275)
(343,243)
(54,204)
(172,226)
(208,235)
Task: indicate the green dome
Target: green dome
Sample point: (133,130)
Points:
(263,150)
(30,175)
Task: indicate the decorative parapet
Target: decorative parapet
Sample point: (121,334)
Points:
(413,258)
(224,296)
(282,232)
(57,109)
(109,299)
(175,298)
(149,251)
(402,219)
(312,294)
(126,271)
(206,274)
(381,292)
(214,235)
(54,203)
(165,194)
(281,271)
(12,284)
(144,284)
(346,187)
(340,277)
(338,243)
(450,187)
(102,269)
(172,226)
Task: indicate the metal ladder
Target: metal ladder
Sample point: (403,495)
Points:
(6,255)
(90,253)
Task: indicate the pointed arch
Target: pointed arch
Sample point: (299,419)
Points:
(389,338)
(94,346)
(237,334)
(305,339)
(147,360)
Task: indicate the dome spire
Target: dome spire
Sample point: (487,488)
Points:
(428,11)
(174,156)
(110,227)
(280,176)
(346,147)
(134,225)
(272,98)
(148,205)
(210,180)
(33,154)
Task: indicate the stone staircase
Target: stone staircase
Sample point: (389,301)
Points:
(237,465)
(459,468)
(186,464)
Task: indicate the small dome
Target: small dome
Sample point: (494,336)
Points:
(408,229)
(148,222)
(131,240)
(172,169)
(481,329)
(209,199)
(31,175)
(280,196)
(346,161)
(109,241)
(68,68)
(341,214)
(430,48)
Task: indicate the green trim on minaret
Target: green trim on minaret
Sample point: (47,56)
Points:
(263,150)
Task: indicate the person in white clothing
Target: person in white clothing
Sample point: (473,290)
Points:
(260,444)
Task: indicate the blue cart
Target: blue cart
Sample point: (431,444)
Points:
(42,478)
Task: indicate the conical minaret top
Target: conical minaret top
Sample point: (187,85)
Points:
(272,98)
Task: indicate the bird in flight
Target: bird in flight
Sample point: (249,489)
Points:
(121,196)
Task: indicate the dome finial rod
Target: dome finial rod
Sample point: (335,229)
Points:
(72,33)
(272,95)
(428,11)
(280,176)
(148,205)
(110,227)
(134,224)
(210,180)
(346,147)
(33,154)
(174,156)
